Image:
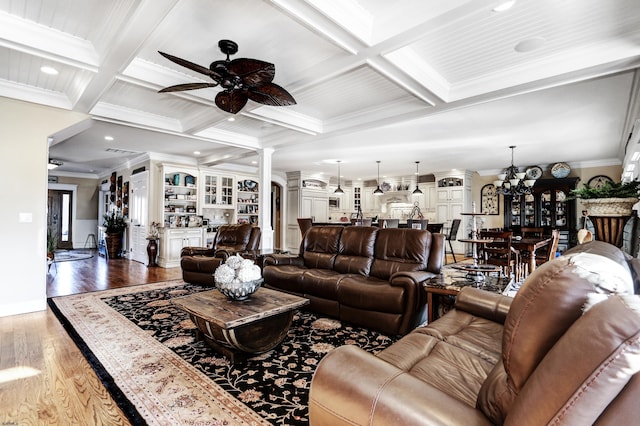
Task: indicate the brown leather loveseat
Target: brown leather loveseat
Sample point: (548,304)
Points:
(361,274)
(550,356)
(199,263)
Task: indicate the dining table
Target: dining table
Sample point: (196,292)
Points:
(529,246)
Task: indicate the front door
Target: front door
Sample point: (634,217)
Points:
(59,217)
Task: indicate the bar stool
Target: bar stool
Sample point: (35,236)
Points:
(91,239)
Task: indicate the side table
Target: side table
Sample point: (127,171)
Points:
(449,282)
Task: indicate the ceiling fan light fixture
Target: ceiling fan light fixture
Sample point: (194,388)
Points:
(417,191)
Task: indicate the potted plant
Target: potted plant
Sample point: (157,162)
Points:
(114,225)
(610,199)
(608,207)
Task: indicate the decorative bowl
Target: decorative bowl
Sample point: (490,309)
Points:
(239,291)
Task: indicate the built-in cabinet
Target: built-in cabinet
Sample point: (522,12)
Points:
(180,195)
(172,240)
(306,197)
(452,198)
(247,203)
(548,206)
(426,200)
(217,191)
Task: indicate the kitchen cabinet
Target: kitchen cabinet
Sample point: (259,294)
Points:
(371,201)
(172,240)
(546,207)
(307,196)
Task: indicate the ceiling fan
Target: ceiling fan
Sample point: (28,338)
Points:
(241,79)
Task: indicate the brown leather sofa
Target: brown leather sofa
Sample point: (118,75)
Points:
(199,263)
(540,358)
(361,274)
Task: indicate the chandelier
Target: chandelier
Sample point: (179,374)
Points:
(513,181)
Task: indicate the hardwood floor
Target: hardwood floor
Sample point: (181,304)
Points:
(44,379)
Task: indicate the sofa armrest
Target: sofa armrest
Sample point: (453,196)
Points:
(351,386)
(482,303)
(197,251)
(283,259)
(416,277)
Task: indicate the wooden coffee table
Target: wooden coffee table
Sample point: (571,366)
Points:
(237,328)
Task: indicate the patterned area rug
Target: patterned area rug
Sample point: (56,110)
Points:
(145,351)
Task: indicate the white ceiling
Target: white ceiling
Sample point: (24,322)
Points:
(402,81)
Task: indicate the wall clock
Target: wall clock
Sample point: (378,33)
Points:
(598,181)
(489,200)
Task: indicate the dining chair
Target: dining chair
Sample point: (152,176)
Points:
(435,228)
(305,223)
(499,252)
(452,236)
(417,223)
(532,232)
(388,223)
(548,252)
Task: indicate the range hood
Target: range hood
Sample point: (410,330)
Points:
(401,197)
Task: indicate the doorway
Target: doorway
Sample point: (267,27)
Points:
(276,214)
(59,217)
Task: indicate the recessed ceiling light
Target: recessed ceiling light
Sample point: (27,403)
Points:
(501,7)
(108,138)
(254,162)
(231,119)
(196,152)
(530,44)
(49,70)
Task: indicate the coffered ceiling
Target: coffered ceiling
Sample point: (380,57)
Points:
(448,83)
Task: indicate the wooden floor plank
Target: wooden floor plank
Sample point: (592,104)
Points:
(65,390)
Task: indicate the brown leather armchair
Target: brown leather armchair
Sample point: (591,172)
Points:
(199,263)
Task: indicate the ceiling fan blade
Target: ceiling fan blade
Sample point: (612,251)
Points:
(231,101)
(252,71)
(187,86)
(190,65)
(270,94)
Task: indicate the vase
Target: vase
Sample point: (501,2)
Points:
(152,251)
(114,245)
(609,217)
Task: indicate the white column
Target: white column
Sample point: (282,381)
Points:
(264,198)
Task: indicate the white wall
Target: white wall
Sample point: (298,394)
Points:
(24,129)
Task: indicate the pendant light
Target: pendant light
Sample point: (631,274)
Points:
(338,190)
(378,191)
(417,190)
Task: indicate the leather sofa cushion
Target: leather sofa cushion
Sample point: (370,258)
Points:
(200,264)
(285,277)
(320,246)
(368,293)
(400,250)
(602,352)
(233,237)
(321,283)
(356,250)
(451,369)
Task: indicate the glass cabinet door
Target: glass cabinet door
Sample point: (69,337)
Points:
(516,210)
(560,209)
(546,209)
(226,189)
(210,189)
(529,210)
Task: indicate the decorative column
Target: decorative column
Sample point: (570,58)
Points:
(264,198)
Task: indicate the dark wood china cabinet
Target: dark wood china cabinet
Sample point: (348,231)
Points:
(546,207)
